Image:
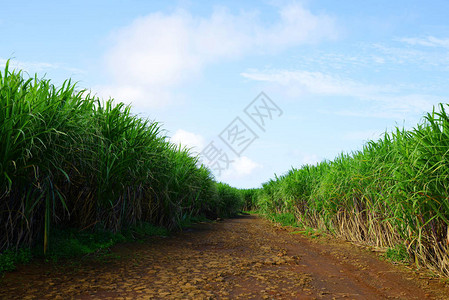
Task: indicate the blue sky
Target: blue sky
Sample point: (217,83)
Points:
(342,72)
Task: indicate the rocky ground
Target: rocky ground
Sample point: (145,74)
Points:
(240,258)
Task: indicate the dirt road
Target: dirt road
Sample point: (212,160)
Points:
(241,258)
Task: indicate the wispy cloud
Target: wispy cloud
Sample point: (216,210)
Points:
(429,41)
(310,159)
(38,66)
(381,56)
(303,158)
(363,135)
(318,82)
(160,51)
(34,67)
(384,101)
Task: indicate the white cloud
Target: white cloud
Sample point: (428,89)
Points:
(36,67)
(135,94)
(317,82)
(188,139)
(385,101)
(363,135)
(28,66)
(435,55)
(239,168)
(429,41)
(310,159)
(244,166)
(160,51)
(395,107)
(303,158)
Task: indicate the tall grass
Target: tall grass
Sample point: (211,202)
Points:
(249,198)
(392,192)
(231,200)
(70,159)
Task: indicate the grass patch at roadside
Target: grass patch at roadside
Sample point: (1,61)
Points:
(10,258)
(284,219)
(397,254)
(251,212)
(70,243)
(189,221)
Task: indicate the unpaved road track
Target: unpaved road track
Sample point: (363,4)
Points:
(241,258)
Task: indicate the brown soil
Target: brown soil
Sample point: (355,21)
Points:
(240,258)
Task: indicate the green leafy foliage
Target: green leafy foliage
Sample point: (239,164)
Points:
(397,254)
(72,242)
(231,200)
(393,191)
(285,219)
(71,160)
(249,198)
(10,258)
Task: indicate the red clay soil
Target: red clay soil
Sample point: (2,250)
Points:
(241,258)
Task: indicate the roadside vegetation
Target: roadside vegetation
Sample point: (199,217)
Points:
(78,174)
(392,194)
(73,166)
